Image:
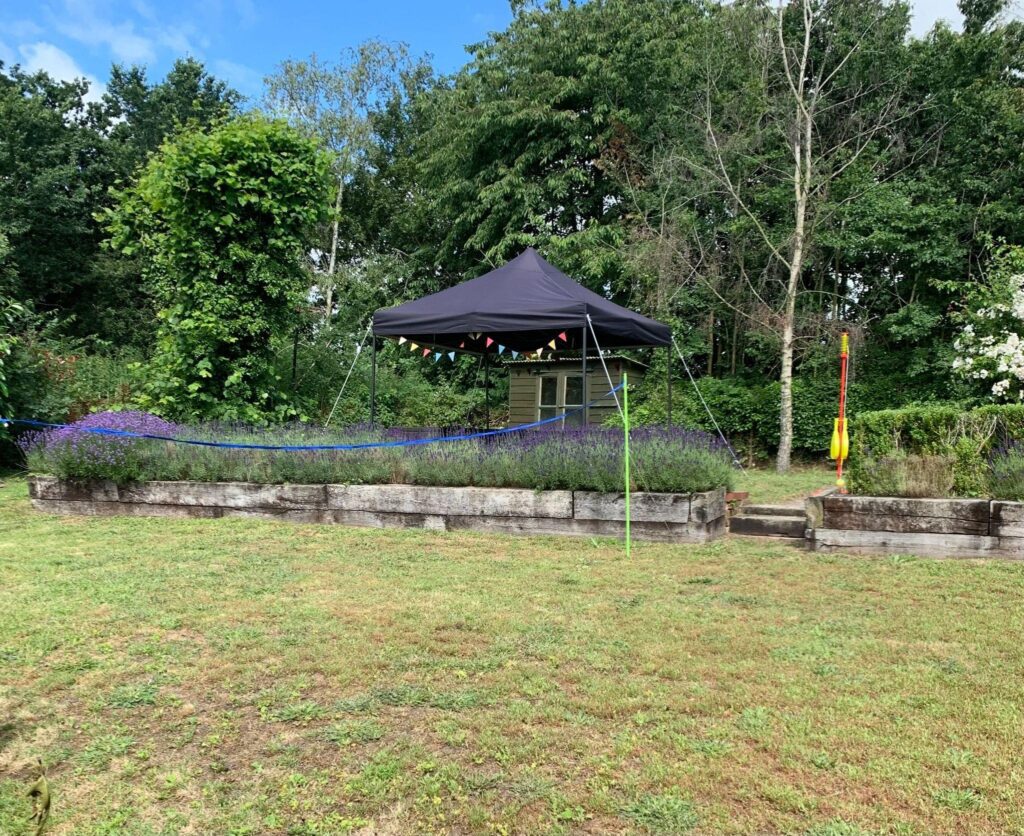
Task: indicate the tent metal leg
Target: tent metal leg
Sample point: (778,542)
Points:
(586,411)
(487,393)
(373,381)
(668,380)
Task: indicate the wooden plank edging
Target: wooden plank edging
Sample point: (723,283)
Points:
(665,517)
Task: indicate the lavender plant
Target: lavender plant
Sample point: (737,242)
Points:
(76,452)
(664,458)
(1006,476)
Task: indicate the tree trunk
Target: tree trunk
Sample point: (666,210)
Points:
(801,184)
(329,290)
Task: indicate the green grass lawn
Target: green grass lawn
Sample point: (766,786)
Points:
(237,676)
(765,485)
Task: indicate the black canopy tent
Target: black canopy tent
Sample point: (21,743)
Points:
(522,306)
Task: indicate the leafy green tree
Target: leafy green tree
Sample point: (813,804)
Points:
(49,144)
(59,156)
(141,115)
(222,219)
(519,148)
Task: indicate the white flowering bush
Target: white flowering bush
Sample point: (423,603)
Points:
(990,347)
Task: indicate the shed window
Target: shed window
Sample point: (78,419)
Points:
(558,393)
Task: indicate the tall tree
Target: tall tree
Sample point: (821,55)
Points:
(521,141)
(52,168)
(801,109)
(142,115)
(59,156)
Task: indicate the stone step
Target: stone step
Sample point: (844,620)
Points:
(767,525)
(771,510)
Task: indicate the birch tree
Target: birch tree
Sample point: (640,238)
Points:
(797,99)
(332,101)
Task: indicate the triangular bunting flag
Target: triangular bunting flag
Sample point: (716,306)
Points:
(552,344)
(490,342)
(462,345)
(476,335)
(515,354)
(437,356)
(501,348)
(451,356)
(413,346)
(563,338)
(402,340)
(540,351)
(426,351)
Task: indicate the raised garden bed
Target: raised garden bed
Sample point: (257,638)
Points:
(940,527)
(670,517)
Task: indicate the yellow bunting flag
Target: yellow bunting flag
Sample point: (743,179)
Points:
(552,345)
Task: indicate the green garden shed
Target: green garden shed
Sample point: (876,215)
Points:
(539,389)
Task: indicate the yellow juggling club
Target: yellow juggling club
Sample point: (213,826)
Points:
(839,449)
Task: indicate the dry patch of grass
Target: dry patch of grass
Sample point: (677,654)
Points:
(234,676)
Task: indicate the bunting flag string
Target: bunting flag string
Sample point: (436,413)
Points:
(552,346)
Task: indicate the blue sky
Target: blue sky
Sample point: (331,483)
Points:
(243,40)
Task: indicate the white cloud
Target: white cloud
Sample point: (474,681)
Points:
(61,66)
(244,79)
(79,21)
(21,30)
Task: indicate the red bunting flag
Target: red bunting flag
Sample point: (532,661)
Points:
(563,338)
(462,345)
(490,342)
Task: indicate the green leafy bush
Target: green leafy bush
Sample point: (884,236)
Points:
(964,437)
(220,219)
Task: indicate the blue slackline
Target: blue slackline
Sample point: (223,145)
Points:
(368,445)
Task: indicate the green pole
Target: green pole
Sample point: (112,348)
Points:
(625,423)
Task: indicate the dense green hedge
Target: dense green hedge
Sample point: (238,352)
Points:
(965,437)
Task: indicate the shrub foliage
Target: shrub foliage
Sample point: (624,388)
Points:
(887,448)
(221,218)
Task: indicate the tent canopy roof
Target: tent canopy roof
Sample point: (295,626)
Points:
(521,305)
